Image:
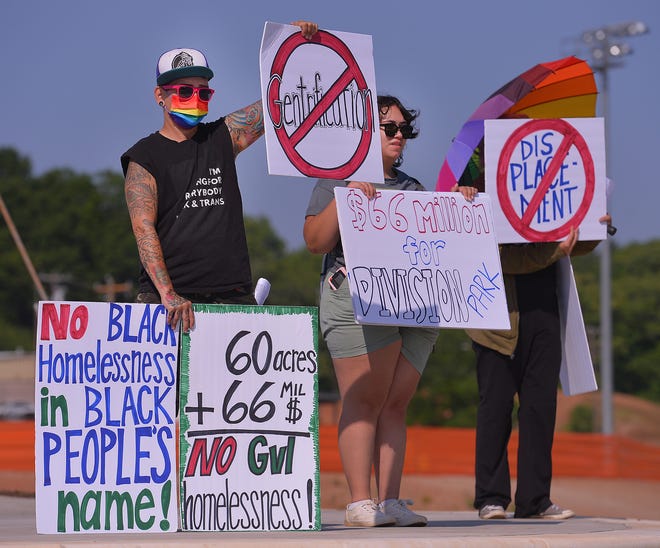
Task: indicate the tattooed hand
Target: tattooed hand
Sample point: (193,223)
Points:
(179,309)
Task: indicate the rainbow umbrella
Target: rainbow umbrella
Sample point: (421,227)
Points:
(565,88)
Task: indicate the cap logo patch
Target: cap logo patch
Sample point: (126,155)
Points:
(183,59)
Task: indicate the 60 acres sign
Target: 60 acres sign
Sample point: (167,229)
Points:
(548,176)
(249,421)
(319,99)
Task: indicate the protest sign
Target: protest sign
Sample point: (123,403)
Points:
(320,104)
(546,176)
(422,259)
(105,407)
(577,371)
(249,420)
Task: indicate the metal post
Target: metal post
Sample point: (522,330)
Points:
(606,54)
(606,362)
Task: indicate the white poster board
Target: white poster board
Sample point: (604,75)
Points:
(545,176)
(320,104)
(249,420)
(577,370)
(105,400)
(422,259)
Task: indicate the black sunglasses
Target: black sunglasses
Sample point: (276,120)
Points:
(391,129)
(185,92)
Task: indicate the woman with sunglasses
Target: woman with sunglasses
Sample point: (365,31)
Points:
(183,196)
(377,367)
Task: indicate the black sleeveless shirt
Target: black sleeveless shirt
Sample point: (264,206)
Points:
(200,210)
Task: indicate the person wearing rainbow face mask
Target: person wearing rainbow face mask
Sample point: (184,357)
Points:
(182,192)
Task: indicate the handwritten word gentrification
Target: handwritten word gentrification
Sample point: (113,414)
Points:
(350,109)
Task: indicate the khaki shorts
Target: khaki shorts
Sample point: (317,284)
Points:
(346,338)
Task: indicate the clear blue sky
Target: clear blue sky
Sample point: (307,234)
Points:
(78,78)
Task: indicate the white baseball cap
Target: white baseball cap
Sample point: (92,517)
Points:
(182,62)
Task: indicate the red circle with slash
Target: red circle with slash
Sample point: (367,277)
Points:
(571,137)
(290,142)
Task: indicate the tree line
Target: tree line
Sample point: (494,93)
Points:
(76,230)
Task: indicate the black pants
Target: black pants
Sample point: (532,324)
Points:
(229,297)
(533,374)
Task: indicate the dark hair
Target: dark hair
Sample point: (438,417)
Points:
(385,102)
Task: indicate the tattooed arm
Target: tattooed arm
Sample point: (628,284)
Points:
(142,202)
(245,125)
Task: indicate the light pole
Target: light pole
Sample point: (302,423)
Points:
(606,52)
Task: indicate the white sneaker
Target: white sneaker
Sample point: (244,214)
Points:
(554,512)
(492,511)
(398,509)
(365,513)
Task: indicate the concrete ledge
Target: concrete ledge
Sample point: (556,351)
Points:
(456,529)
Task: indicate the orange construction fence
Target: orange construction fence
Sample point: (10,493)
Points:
(432,451)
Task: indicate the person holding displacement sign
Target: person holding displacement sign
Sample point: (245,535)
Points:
(183,196)
(523,360)
(377,367)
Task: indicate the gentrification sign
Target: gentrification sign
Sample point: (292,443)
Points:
(320,108)
(249,420)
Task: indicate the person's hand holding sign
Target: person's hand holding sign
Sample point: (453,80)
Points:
(569,243)
(307,28)
(607,218)
(368,189)
(468,192)
(611,229)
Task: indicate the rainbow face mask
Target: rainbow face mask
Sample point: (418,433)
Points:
(188,113)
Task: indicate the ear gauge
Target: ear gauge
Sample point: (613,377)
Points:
(161,104)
